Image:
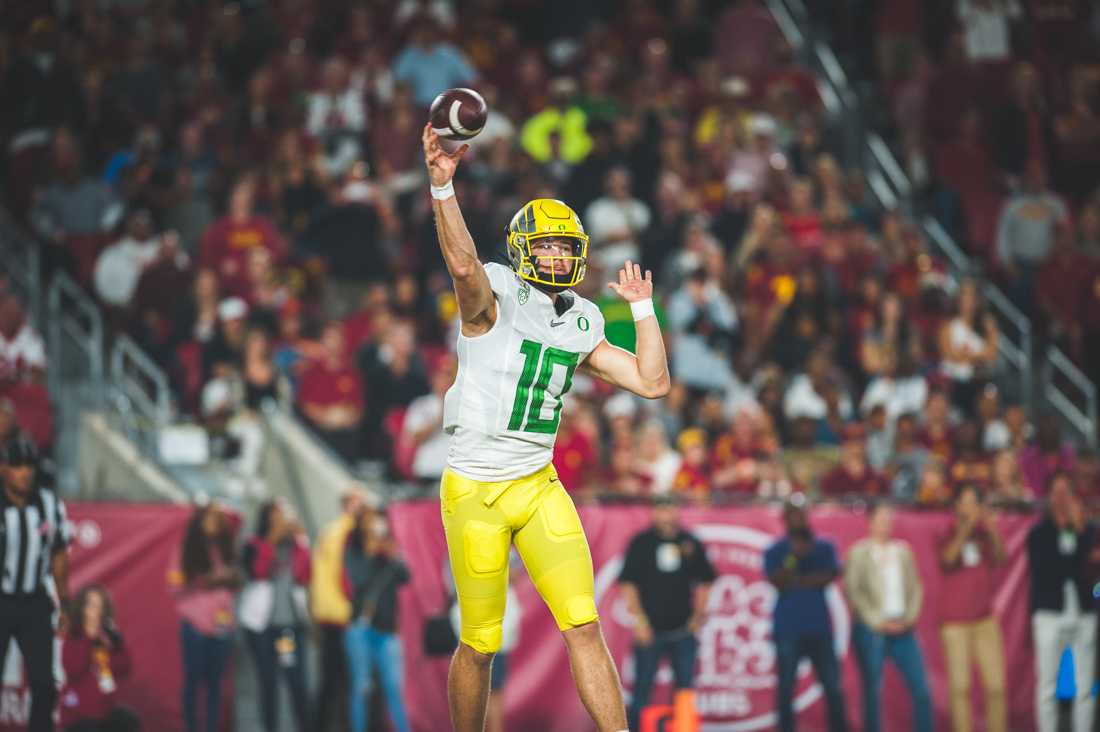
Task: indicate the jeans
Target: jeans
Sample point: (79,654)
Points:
(1053,632)
(280,649)
(370,649)
(679,646)
(872,650)
(204,660)
(966,644)
(819,649)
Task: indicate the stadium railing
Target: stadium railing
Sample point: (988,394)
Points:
(891,187)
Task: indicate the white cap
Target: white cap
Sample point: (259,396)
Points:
(762,124)
(620,405)
(735,86)
(232,308)
(738,181)
(216,396)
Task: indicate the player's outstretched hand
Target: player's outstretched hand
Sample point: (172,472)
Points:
(631,286)
(441,164)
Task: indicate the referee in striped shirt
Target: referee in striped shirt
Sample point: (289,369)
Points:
(34,571)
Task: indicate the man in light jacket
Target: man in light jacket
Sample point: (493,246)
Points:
(331,610)
(884,590)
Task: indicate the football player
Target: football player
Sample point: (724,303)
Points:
(523,335)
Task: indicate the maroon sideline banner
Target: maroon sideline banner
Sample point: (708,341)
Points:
(127,548)
(735,671)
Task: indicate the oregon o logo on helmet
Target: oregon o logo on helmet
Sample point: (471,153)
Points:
(735,679)
(583,324)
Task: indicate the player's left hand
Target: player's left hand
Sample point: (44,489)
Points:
(631,286)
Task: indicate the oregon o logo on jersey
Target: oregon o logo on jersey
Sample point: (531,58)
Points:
(582,323)
(530,419)
(524,293)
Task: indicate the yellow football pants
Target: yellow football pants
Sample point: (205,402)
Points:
(482,520)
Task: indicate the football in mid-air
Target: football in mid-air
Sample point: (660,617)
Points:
(458,114)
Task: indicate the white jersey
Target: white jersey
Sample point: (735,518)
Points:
(504,407)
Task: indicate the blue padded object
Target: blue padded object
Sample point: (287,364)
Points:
(1067,683)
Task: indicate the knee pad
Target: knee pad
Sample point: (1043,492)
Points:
(578,610)
(485,639)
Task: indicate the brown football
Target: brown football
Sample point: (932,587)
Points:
(458,114)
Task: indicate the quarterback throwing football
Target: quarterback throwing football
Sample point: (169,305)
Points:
(523,335)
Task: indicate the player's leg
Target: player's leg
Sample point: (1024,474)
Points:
(35,639)
(478,538)
(554,549)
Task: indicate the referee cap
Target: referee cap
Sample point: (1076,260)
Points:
(18,451)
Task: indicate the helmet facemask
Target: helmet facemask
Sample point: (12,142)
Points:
(526,263)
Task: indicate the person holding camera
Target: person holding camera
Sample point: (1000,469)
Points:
(95,661)
(372,574)
(273,609)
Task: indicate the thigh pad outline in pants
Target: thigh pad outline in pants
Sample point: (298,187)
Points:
(478,537)
(555,551)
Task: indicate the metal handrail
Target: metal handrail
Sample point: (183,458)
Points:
(64,294)
(1083,420)
(141,380)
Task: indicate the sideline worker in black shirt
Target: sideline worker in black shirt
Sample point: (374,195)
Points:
(34,537)
(665,579)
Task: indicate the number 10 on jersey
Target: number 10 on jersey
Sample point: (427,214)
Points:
(542,360)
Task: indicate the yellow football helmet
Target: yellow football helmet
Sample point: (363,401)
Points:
(540,219)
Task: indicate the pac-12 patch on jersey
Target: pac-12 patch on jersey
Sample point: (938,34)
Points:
(504,407)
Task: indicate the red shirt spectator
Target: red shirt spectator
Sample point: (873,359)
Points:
(95,659)
(692,478)
(330,395)
(574,456)
(226,244)
(968,586)
(853,475)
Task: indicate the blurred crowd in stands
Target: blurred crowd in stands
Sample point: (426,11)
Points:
(241,187)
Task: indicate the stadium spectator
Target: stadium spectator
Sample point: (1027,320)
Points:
(657,462)
(395,374)
(331,611)
(225,245)
(801,566)
(1045,455)
(970,550)
(74,204)
(204,582)
(615,222)
(907,459)
(968,347)
(197,318)
(693,477)
(429,64)
(933,490)
(988,28)
(95,658)
(330,395)
(1026,234)
(222,353)
(576,449)
(1062,609)
(423,424)
(970,465)
(818,393)
(886,594)
(665,579)
(372,574)
(273,609)
(337,117)
(806,460)
(703,321)
(1006,485)
(995,434)
(119,267)
(937,433)
(1021,144)
(22,350)
(557,134)
(853,476)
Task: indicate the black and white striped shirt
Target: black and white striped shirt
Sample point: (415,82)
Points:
(29,537)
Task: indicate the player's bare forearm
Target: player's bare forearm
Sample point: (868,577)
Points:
(651,359)
(475,296)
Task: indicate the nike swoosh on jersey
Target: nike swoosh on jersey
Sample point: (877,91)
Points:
(555,324)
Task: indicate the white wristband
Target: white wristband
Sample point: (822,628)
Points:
(642,309)
(442,193)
